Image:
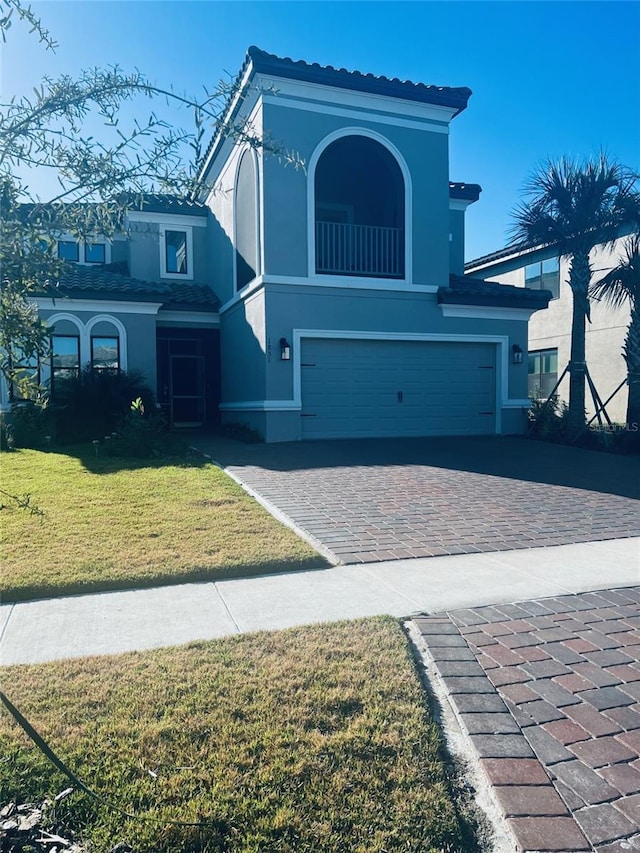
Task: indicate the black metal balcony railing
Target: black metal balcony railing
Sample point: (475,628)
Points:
(367,250)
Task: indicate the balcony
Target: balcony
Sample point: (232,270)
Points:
(343,248)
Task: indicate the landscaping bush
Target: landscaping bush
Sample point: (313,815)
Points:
(548,418)
(94,404)
(617,438)
(28,424)
(6,434)
(141,434)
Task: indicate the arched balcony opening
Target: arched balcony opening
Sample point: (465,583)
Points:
(359,210)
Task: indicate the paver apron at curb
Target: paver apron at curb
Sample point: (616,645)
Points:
(548,692)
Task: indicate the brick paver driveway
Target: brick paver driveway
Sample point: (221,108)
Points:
(372,500)
(548,692)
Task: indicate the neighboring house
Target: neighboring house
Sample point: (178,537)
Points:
(343,306)
(550,331)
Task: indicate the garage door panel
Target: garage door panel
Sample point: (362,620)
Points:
(354,388)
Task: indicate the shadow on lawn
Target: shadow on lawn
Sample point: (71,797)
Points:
(196,575)
(97,460)
(511,457)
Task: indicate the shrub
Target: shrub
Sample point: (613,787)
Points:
(28,424)
(6,434)
(94,404)
(141,434)
(548,418)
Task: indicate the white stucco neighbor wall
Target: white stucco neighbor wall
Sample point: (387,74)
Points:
(551,329)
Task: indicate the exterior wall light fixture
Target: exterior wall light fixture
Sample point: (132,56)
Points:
(517,354)
(285,350)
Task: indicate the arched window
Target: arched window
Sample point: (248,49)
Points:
(105,348)
(65,353)
(246,216)
(359,210)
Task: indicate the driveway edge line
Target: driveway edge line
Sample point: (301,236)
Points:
(460,747)
(273,510)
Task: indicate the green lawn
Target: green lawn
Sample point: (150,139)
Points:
(112,524)
(313,740)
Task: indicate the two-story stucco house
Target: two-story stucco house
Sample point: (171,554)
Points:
(344,311)
(335,292)
(550,331)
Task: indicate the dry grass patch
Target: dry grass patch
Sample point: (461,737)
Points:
(311,740)
(113,527)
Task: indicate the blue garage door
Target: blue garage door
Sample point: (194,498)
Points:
(361,388)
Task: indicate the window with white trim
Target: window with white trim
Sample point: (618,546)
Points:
(69,250)
(176,252)
(95,253)
(246,221)
(105,354)
(83,251)
(65,357)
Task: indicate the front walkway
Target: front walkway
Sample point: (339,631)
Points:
(372,500)
(113,622)
(548,694)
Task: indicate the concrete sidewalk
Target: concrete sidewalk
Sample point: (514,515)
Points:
(114,622)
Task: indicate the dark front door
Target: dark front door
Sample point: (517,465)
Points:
(186,390)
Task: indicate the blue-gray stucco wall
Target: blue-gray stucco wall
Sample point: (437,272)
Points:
(140,335)
(425,153)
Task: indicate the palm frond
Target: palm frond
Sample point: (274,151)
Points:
(575,205)
(621,285)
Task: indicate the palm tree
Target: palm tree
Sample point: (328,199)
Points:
(574,206)
(620,286)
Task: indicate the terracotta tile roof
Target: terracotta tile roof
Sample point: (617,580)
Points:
(147,202)
(498,255)
(112,282)
(165,203)
(529,249)
(465,290)
(259,61)
(327,75)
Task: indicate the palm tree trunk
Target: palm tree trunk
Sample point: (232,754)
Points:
(579,279)
(631,352)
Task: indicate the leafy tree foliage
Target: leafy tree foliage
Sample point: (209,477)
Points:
(97,179)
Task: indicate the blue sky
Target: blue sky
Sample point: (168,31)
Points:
(548,78)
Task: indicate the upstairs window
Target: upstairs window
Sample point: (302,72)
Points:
(94,253)
(544,275)
(69,250)
(83,252)
(246,221)
(65,357)
(176,252)
(105,354)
